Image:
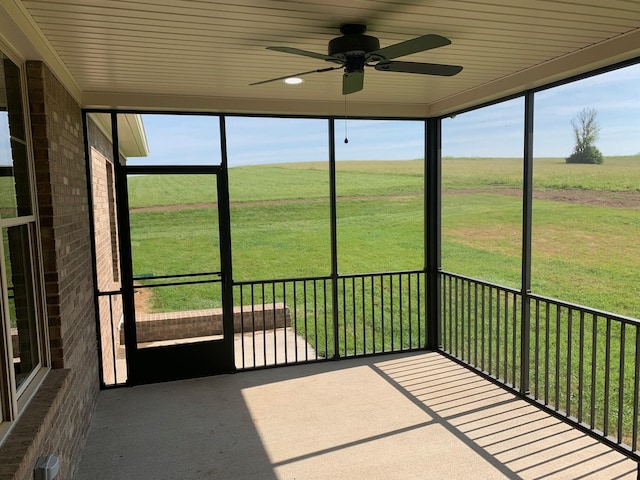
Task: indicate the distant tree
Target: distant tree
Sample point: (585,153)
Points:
(586,131)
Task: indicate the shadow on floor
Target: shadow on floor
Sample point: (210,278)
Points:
(412,416)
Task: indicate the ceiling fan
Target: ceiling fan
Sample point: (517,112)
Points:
(354,51)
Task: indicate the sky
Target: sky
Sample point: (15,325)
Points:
(495,131)
(498,130)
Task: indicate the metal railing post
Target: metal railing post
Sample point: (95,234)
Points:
(334,238)
(527,203)
(432,230)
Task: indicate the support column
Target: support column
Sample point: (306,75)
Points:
(527,202)
(334,238)
(432,229)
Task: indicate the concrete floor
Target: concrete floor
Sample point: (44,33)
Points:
(412,416)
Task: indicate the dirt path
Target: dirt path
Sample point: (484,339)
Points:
(603,198)
(158,208)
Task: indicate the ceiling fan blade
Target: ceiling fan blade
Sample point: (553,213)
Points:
(305,53)
(415,45)
(320,70)
(352,82)
(422,68)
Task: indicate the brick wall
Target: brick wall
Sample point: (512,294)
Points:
(57,419)
(107,261)
(203,323)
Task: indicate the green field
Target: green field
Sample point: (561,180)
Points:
(582,253)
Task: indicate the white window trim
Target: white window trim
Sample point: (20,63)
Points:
(14,400)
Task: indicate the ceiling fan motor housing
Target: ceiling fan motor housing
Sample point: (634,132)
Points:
(353,42)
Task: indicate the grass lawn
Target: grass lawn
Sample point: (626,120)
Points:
(581,253)
(616,174)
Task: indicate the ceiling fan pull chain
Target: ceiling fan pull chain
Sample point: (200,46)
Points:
(346,140)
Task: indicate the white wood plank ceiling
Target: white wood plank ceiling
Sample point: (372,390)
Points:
(202,54)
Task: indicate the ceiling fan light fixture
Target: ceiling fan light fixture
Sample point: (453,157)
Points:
(293,80)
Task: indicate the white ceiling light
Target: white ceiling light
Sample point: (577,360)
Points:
(293,81)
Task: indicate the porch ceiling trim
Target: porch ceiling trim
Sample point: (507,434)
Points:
(619,49)
(27,39)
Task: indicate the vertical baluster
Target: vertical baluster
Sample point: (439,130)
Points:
(264,326)
(557,368)
(491,336)
(275,323)
(607,378)
(569,353)
(514,340)
(373,316)
(581,367)
(315,317)
(446,313)
(242,347)
(475,324)
(498,340)
(382,313)
(506,337)
(392,319)
(452,291)
(483,319)
(306,326)
(636,392)
(594,349)
(401,308)
(623,328)
(326,330)
(450,313)
(409,312)
(464,324)
(284,302)
(364,316)
(457,317)
(253,323)
(344,314)
(536,354)
(469,320)
(295,319)
(547,354)
(353,308)
(462,318)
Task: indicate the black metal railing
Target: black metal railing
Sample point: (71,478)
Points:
(283,322)
(380,313)
(293,320)
(581,364)
(481,326)
(374,313)
(586,364)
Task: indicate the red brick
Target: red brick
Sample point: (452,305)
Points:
(59,162)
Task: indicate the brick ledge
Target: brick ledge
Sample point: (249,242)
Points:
(18,453)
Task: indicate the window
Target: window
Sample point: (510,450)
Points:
(113,231)
(21,347)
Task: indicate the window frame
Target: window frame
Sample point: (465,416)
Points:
(14,399)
